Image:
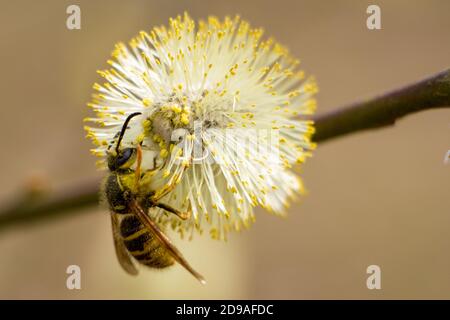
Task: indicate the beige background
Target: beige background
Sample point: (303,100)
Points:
(374,198)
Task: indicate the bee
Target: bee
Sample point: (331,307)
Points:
(137,237)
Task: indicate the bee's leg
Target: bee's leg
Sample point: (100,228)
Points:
(162,192)
(138,166)
(167,187)
(181,215)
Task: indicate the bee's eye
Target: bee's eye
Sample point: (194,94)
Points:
(123,157)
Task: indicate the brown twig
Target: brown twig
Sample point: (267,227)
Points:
(385,110)
(433,92)
(30,209)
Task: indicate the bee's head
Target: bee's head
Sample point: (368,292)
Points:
(122,158)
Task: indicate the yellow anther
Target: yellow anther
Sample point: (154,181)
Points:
(184,119)
(164,153)
(146,102)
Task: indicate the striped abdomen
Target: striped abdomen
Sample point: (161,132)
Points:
(141,243)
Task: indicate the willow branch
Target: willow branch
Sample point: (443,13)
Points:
(381,111)
(385,110)
(33,207)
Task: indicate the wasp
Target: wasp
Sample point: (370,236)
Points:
(137,237)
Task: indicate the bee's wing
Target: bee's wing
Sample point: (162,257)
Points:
(122,254)
(165,241)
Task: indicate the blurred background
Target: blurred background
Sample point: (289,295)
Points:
(380,197)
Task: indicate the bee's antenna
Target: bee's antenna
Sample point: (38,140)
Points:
(124,127)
